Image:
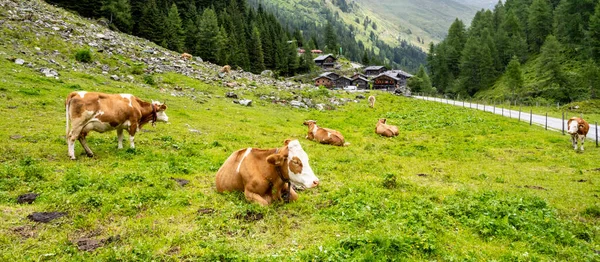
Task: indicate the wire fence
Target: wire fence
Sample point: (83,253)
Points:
(499,108)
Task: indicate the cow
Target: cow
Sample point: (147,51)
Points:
(578,129)
(324,135)
(93,111)
(266,175)
(226,69)
(371,101)
(186,56)
(384,129)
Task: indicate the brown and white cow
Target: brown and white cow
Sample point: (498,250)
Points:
(384,129)
(92,111)
(226,69)
(324,135)
(578,129)
(186,56)
(264,175)
(371,101)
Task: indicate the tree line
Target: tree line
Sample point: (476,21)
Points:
(222,32)
(554,43)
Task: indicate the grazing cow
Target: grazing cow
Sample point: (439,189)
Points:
(92,111)
(371,101)
(264,175)
(226,69)
(186,56)
(324,135)
(578,129)
(384,129)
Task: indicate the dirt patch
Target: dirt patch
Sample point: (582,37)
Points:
(325,204)
(581,180)
(595,169)
(174,250)
(250,216)
(25,231)
(536,187)
(422,175)
(15,137)
(27,198)
(180,181)
(45,217)
(205,211)
(89,244)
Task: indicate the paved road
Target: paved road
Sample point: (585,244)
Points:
(553,123)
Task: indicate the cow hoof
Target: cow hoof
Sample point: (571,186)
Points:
(73,158)
(90,155)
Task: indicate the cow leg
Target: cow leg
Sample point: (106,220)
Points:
(253,197)
(574,142)
(120,138)
(83,142)
(73,135)
(132,130)
(582,140)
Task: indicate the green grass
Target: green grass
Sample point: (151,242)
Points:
(456,184)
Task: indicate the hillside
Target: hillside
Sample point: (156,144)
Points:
(455,185)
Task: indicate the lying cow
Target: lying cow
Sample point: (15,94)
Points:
(384,129)
(371,101)
(264,175)
(324,135)
(186,56)
(92,111)
(226,69)
(578,129)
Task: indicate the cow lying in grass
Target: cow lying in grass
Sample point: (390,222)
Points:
(384,129)
(324,135)
(92,111)
(266,175)
(578,129)
(186,56)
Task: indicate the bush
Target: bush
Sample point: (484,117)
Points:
(389,181)
(137,69)
(84,56)
(148,79)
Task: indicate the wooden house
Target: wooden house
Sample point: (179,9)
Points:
(331,75)
(390,80)
(361,83)
(342,82)
(375,70)
(357,75)
(324,81)
(325,61)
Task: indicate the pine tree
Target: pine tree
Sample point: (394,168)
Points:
(539,24)
(552,80)
(516,43)
(257,63)
(455,43)
(514,77)
(150,25)
(476,67)
(365,58)
(571,19)
(593,35)
(208,30)
(592,79)
(174,34)
(118,13)
(331,42)
(222,51)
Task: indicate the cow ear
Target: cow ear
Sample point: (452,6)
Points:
(163,107)
(275,159)
(287,141)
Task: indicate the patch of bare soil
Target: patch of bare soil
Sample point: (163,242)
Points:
(180,181)
(90,244)
(27,198)
(205,211)
(535,187)
(25,231)
(250,216)
(45,217)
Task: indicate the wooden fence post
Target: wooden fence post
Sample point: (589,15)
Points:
(546,120)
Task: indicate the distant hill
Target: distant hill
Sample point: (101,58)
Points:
(487,4)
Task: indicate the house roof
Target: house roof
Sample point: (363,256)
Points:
(395,74)
(374,67)
(360,78)
(322,76)
(329,74)
(343,77)
(323,57)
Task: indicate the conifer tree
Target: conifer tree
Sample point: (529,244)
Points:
(118,13)
(174,34)
(455,42)
(151,23)
(552,80)
(331,42)
(365,58)
(593,35)
(539,24)
(255,50)
(591,78)
(208,30)
(476,67)
(222,51)
(514,77)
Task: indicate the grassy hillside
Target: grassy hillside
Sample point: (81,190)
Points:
(457,184)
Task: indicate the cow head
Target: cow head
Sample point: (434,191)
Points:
(160,108)
(294,163)
(382,120)
(574,125)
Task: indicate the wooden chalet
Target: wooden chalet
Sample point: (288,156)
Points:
(331,75)
(390,80)
(360,83)
(357,75)
(375,70)
(326,61)
(324,81)
(342,82)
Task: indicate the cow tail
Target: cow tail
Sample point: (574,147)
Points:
(67,106)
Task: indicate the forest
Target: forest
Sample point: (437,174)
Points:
(521,50)
(240,33)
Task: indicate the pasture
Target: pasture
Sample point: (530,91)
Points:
(456,184)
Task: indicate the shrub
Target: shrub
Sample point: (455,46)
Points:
(148,79)
(137,69)
(389,181)
(84,56)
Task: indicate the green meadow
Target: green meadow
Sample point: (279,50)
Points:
(456,184)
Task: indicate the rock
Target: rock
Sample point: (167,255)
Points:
(231,84)
(198,59)
(360,97)
(115,77)
(231,95)
(320,107)
(181,181)
(266,73)
(298,104)
(19,61)
(105,68)
(245,102)
(48,72)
